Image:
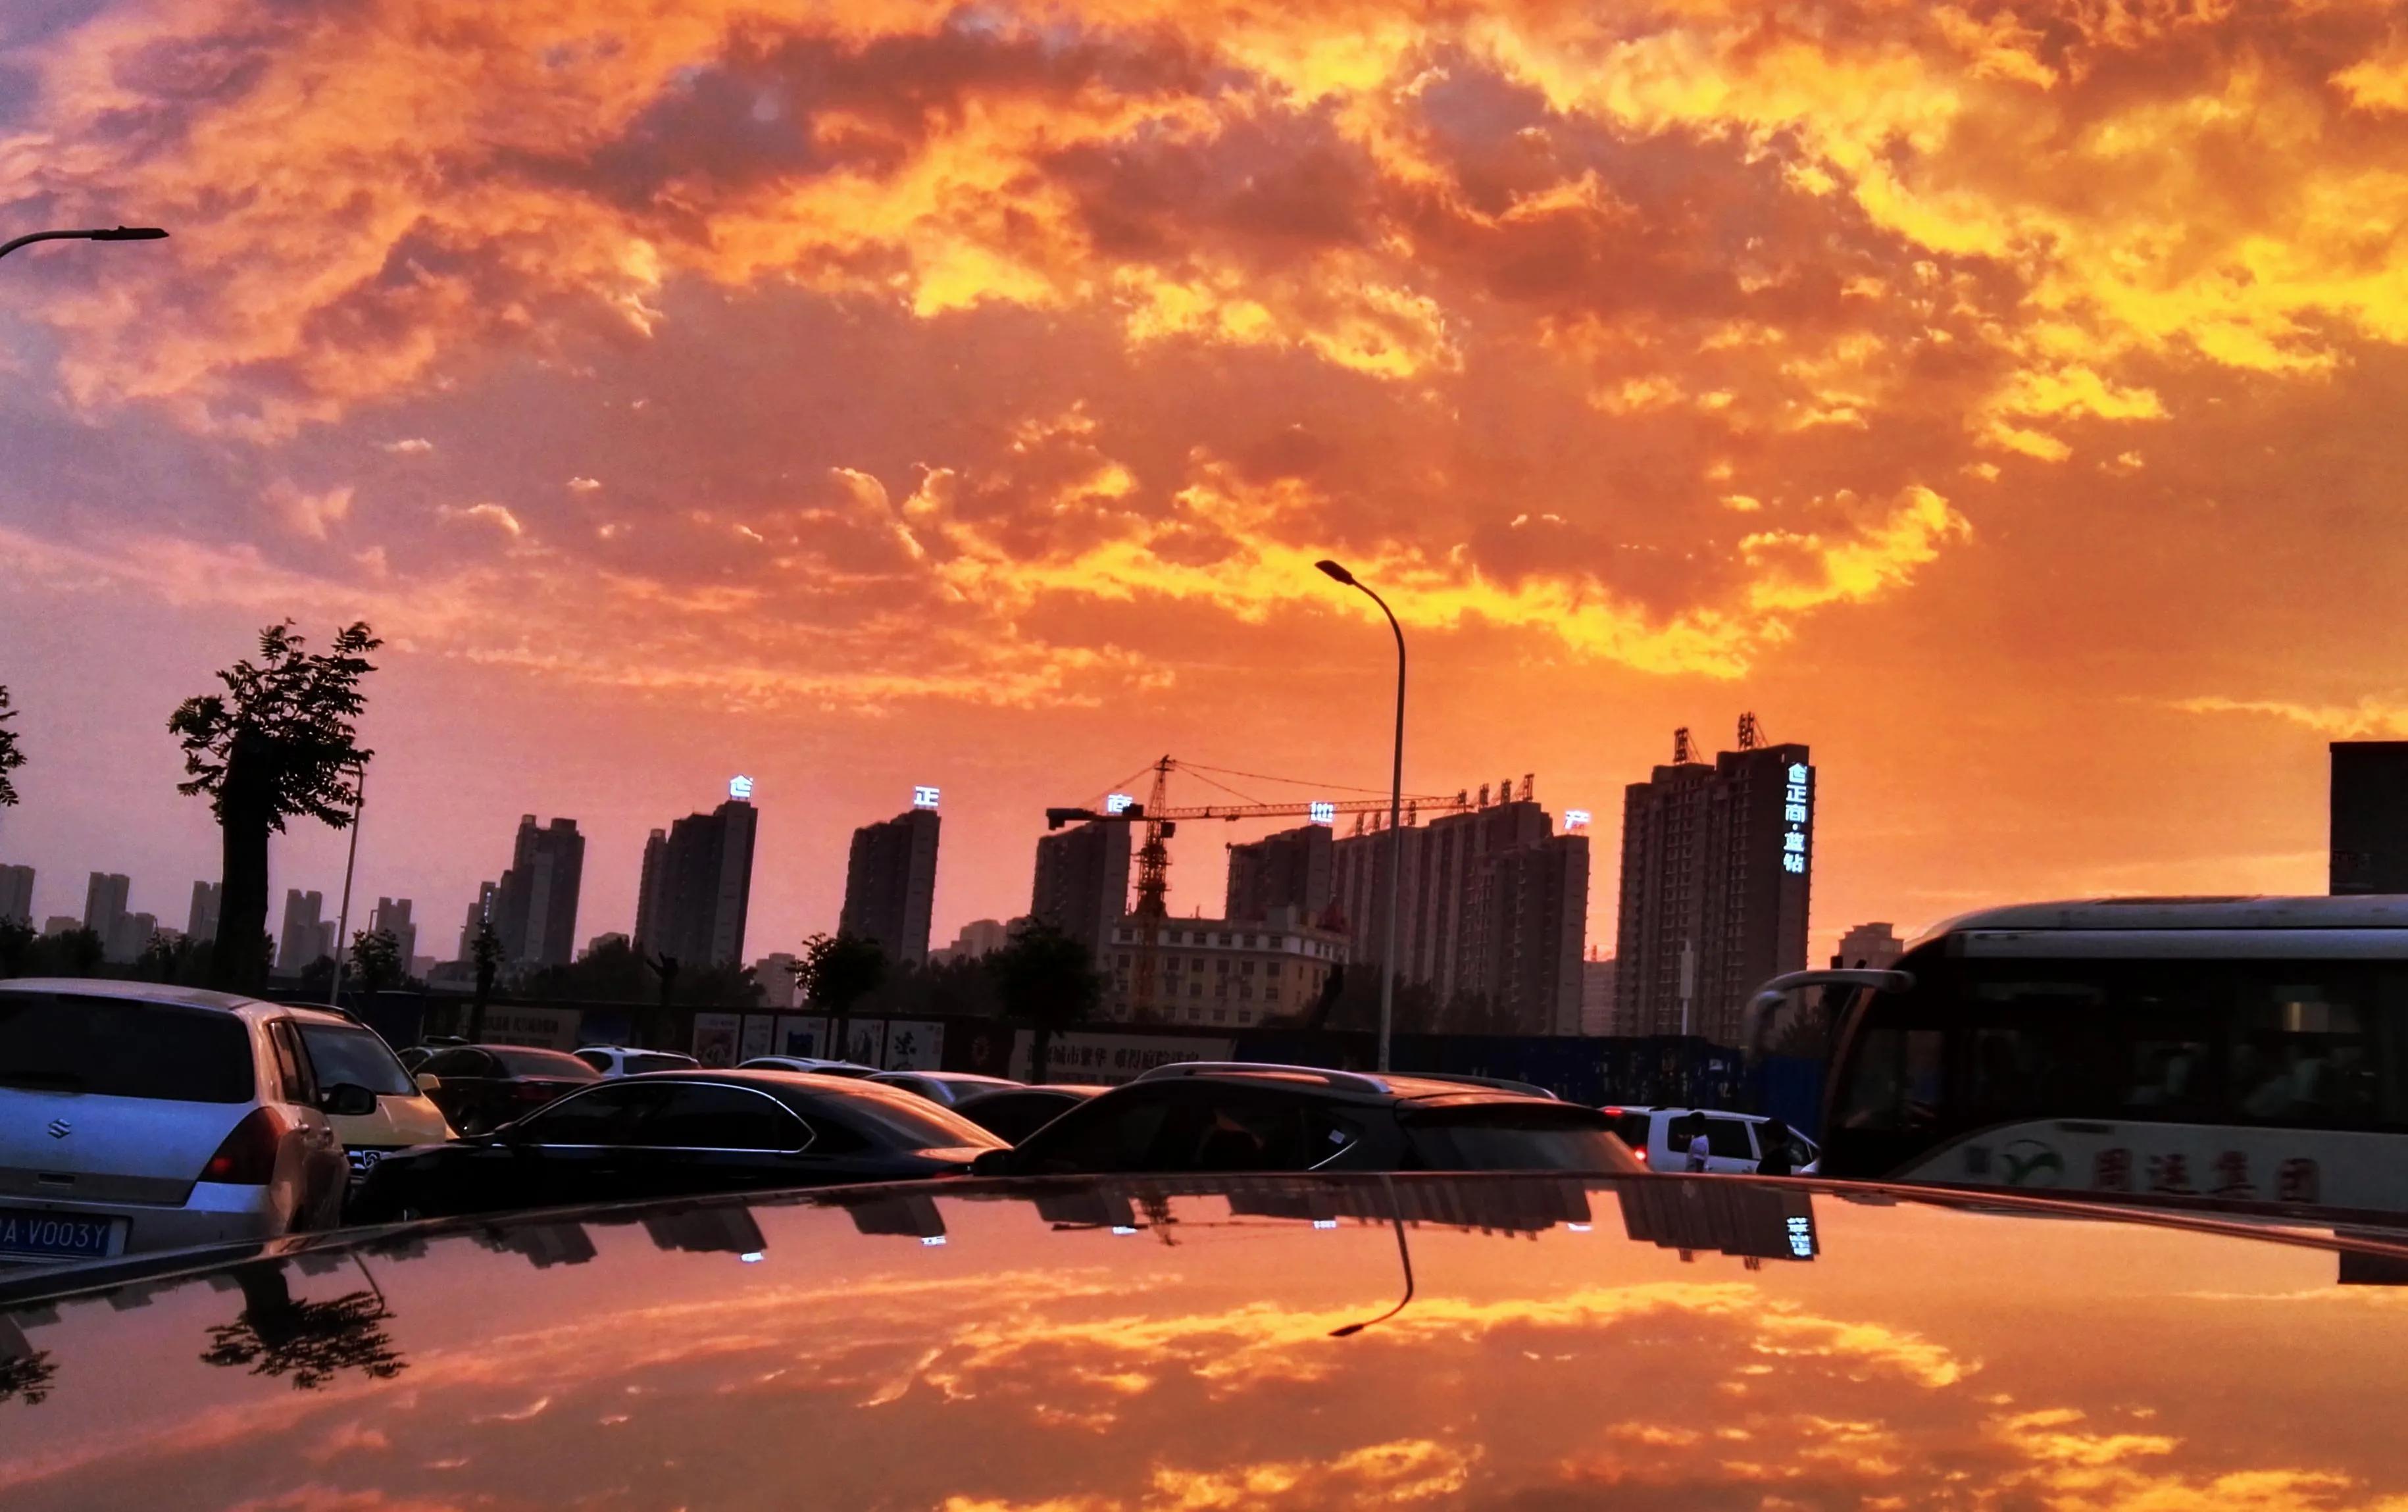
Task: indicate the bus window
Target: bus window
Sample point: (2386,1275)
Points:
(2091,1040)
(2301,1051)
(1896,1085)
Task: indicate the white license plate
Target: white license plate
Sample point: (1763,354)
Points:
(27,1233)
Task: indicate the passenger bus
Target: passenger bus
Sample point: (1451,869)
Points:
(2250,1050)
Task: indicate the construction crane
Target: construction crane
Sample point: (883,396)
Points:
(1161,821)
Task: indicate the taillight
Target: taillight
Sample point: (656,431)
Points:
(248,1156)
(1639,1153)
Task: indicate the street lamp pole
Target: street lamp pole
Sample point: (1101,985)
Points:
(343,917)
(1396,817)
(122,233)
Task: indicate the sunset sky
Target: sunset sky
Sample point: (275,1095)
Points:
(2007,401)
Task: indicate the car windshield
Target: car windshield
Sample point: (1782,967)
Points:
(358,1056)
(112,1047)
(900,1120)
(1514,1137)
(557,1065)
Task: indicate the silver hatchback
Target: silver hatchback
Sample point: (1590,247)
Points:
(138,1117)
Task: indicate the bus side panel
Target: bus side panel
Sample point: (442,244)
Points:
(2330,1168)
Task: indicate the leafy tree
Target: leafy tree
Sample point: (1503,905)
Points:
(1048,980)
(16,943)
(12,758)
(609,973)
(834,973)
(281,742)
(160,957)
(307,1341)
(376,960)
(485,953)
(724,985)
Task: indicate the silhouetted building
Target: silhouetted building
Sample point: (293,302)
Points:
(1716,865)
(890,884)
(392,916)
(1292,869)
(544,1245)
(201,920)
(132,937)
(1209,972)
(697,885)
(16,894)
(480,913)
(1874,946)
(308,935)
(2370,817)
(1083,879)
(103,906)
(706,1230)
(976,940)
(536,914)
(1596,996)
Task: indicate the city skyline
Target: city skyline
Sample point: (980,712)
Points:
(1903,380)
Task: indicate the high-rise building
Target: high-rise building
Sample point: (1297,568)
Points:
(697,884)
(1874,946)
(131,937)
(1083,879)
(536,914)
(1291,869)
(1596,996)
(16,894)
(392,915)
(480,913)
(1530,917)
(307,934)
(2370,817)
(104,905)
(978,939)
(890,884)
(201,921)
(775,975)
(1717,866)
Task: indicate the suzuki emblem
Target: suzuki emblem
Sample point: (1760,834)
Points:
(60,1128)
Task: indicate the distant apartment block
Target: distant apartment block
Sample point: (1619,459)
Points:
(1597,996)
(308,935)
(2369,817)
(201,919)
(1082,881)
(697,884)
(390,917)
(16,894)
(976,940)
(536,911)
(104,905)
(1874,946)
(1293,868)
(775,974)
(1224,973)
(890,884)
(1717,866)
(480,913)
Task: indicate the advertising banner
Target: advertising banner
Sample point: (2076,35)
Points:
(913,1046)
(547,1029)
(759,1035)
(1110,1060)
(799,1034)
(714,1038)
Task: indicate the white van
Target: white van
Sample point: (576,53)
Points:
(1660,1137)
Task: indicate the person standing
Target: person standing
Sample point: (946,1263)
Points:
(1700,1146)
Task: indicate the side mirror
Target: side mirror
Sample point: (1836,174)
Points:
(428,1081)
(993,1163)
(346,1100)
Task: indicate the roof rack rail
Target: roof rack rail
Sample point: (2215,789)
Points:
(1354,1080)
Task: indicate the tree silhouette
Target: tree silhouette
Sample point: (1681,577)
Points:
(281,742)
(376,960)
(1047,979)
(834,973)
(12,758)
(27,1375)
(485,952)
(307,1341)
(654,1033)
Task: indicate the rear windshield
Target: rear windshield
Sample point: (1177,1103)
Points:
(1514,1136)
(115,1048)
(1633,1127)
(356,1056)
(552,1063)
(899,1121)
(640,1062)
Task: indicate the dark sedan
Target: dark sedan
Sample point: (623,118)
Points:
(1014,1113)
(676,1135)
(483,1086)
(1281,1344)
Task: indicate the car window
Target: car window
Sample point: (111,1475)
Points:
(897,1120)
(1728,1138)
(555,1064)
(1016,1115)
(110,1047)
(1115,1131)
(1514,1136)
(357,1056)
(291,1069)
(640,1062)
(1634,1129)
(1235,1129)
(458,1061)
(596,1059)
(608,1115)
(697,1116)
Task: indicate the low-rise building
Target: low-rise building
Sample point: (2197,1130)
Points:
(1217,972)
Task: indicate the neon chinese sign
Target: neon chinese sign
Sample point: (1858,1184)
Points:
(1323,813)
(741,788)
(1117,802)
(923,797)
(1797,813)
(1575,820)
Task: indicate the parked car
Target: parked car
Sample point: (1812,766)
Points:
(138,1117)
(679,1134)
(342,1050)
(1736,1141)
(812,1065)
(1014,1113)
(413,1055)
(482,1087)
(946,1086)
(1231,1115)
(618,1060)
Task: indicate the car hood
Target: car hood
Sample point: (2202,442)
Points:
(1268,1341)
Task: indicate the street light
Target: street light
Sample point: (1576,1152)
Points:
(1396,813)
(343,918)
(122,233)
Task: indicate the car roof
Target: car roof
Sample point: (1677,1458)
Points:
(166,992)
(1936,1331)
(1355,1085)
(2263,911)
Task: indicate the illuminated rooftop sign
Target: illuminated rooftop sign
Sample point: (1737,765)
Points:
(1575,820)
(741,788)
(923,797)
(1323,813)
(1117,802)
(1797,811)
